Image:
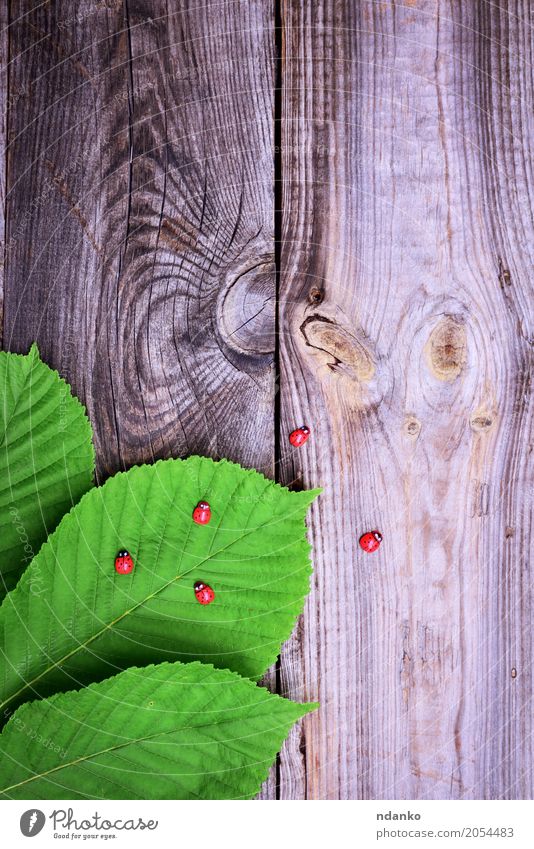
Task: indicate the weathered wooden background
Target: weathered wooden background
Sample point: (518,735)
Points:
(223,219)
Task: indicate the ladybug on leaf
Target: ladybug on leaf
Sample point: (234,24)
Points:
(124,562)
(203,593)
(202,513)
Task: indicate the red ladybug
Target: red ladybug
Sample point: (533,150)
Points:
(299,436)
(204,594)
(124,563)
(202,513)
(371,541)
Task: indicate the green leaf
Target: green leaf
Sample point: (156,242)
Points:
(46,458)
(173,731)
(88,622)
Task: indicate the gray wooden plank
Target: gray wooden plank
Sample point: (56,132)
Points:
(141,220)
(405,333)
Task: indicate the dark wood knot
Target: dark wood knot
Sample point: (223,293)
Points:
(246,309)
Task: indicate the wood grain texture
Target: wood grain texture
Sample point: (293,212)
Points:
(139,216)
(140,208)
(406,334)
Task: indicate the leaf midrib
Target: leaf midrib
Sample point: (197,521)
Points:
(82,646)
(126,744)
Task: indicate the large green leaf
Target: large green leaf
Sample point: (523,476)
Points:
(173,731)
(46,458)
(88,622)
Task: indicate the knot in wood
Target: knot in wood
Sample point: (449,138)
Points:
(412,426)
(481,421)
(316,296)
(447,348)
(246,309)
(340,349)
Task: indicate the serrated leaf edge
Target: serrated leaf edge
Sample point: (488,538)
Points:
(34,356)
(305,708)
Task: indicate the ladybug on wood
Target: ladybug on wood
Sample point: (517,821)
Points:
(370,541)
(202,513)
(124,563)
(203,593)
(299,436)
